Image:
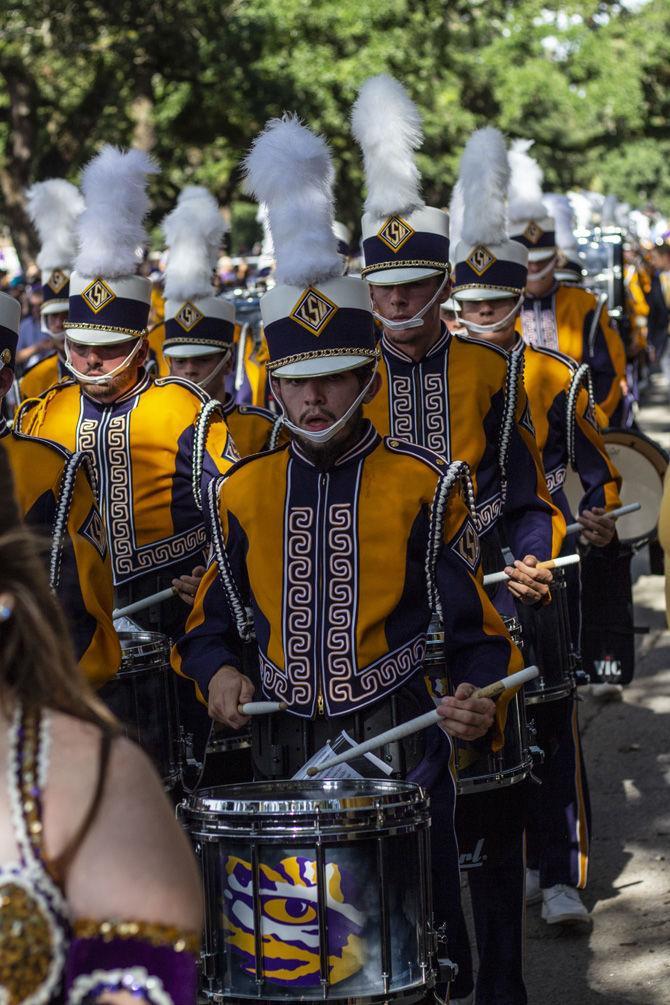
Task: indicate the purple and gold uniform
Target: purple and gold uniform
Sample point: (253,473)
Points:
(56,498)
(567,429)
(308,547)
(154,450)
(42,375)
(465,400)
(252,429)
(576,323)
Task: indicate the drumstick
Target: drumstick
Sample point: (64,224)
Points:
(552,563)
(421,722)
(574,528)
(139,605)
(261,707)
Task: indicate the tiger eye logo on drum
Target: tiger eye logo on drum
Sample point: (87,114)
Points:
(290,921)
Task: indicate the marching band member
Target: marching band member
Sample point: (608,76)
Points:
(341,564)
(568,270)
(567,432)
(199,326)
(55,497)
(54,207)
(447,392)
(572,320)
(155,442)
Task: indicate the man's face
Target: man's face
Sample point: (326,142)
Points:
(55,324)
(318,402)
(96,360)
(538,287)
(403,301)
(198,368)
(489,312)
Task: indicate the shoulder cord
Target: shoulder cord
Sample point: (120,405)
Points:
(515,365)
(78,460)
(458,473)
(581,378)
(202,424)
(276,430)
(243,622)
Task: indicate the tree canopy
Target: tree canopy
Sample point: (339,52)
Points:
(193,81)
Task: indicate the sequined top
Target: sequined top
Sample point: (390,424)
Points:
(46,958)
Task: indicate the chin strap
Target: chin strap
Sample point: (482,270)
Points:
(215,372)
(102,378)
(322,435)
(497,326)
(417,320)
(543,273)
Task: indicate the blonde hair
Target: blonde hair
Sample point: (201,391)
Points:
(37,662)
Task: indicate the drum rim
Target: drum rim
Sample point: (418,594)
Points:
(652,450)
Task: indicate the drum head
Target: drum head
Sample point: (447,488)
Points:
(641,464)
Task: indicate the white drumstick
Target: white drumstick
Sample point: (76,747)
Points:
(420,722)
(261,707)
(552,563)
(574,528)
(140,605)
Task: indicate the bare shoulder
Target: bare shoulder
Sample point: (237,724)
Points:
(135,862)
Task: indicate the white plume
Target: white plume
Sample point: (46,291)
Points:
(53,207)
(289,168)
(560,209)
(582,209)
(267,247)
(484,179)
(193,232)
(525,190)
(456,212)
(111,228)
(387,126)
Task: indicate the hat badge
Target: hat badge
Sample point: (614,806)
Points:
(314,311)
(98,294)
(57,280)
(480,259)
(188,316)
(6,357)
(533,232)
(395,233)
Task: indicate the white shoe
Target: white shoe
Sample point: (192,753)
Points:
(561,905)
(607,692)
(533,891)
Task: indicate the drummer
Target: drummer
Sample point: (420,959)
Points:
(563,415)
(384,523)
(155,442)
(572,320)
(53,485)
(200,326)
(445,391)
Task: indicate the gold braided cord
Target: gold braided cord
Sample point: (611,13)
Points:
(407,263)
(320,354)
(83,326)
(198,341)
(143,931)
(486,286)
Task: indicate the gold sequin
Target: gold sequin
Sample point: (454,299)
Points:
(26,944)
(144,931)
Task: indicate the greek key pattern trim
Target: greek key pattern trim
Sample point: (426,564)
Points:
(555,478)
(402,407)
(434,403)
(342,594)
(298,602)
(488,514)
(379,678)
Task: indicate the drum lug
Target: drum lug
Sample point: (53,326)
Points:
(447,970)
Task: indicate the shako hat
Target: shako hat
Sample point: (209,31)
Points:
(569,266)
(316,320)
(109,303)
(10,316)
(54,207)
(403,240)
(529,221)
(197,322)
(488,265)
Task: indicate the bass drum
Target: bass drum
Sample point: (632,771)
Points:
(642,464)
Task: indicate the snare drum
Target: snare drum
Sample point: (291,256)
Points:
(548,645)
(315,890)
(141,696)
(228,757)
(642,465)
(477,767)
